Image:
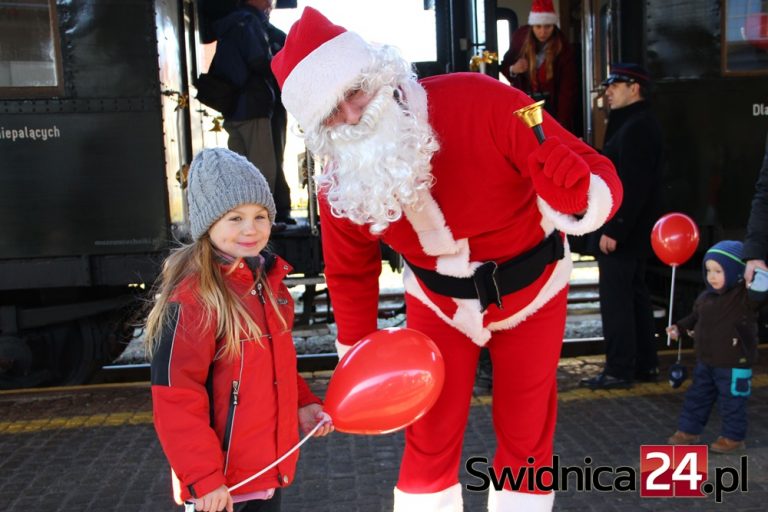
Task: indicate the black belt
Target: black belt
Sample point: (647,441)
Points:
(492,281)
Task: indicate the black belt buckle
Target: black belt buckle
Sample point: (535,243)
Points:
(487,285)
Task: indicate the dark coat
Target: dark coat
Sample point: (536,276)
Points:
(243,56)
(756,241)
(634,145)
(562,89)
(724,328)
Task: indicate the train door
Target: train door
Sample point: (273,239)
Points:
(600,36)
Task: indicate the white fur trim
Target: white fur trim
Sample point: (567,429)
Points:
(342,349)
(511,501)
(543,18)
(447,500)
(599,204)
(457,265)
(468,318)
(556,282)
(429,224)
(318,82)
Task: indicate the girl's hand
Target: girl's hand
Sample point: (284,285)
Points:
(310,415)
(673,332)
(521,66)
(215,501)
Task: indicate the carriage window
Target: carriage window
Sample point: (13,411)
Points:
(29,48)
(745,37)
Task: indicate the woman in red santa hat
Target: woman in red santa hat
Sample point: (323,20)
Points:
(541,63)
(444,172)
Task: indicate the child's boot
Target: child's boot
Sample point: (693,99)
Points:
(681,437)
(725,445)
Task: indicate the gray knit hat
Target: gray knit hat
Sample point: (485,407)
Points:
(219,180)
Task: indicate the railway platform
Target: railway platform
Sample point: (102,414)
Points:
(93,448)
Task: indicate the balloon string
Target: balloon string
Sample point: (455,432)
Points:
(671,303)
(326,419)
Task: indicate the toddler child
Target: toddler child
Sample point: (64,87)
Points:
(723,325)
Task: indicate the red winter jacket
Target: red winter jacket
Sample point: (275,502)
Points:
(252,402)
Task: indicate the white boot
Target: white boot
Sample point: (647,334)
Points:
(511,501)
(447,500)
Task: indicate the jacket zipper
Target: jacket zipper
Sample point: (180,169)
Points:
(234,399)
(260,292)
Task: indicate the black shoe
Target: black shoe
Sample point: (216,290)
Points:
(651,375)
(605,381)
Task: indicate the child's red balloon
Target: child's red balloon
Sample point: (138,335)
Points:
(674,238)
(385,382)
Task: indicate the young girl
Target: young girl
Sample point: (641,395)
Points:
(227,398)
(541,63)
(724,328)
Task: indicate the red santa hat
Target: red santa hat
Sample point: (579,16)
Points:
(318,64)
(542,13)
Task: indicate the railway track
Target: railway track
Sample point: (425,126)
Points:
(583,306)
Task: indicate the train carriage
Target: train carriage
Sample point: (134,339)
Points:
(98,124)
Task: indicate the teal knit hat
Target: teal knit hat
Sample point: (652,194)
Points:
(219,180)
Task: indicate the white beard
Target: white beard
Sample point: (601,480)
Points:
(378,166)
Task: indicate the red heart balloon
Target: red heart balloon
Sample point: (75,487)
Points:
(387,381)
(674,238)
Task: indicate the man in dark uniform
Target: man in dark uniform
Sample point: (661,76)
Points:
(622,245)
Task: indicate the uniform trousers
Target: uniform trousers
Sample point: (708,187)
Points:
(524,397)
(627,315)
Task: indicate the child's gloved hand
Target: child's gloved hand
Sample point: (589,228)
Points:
(560,176)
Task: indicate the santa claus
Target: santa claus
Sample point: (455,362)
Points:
(443,172)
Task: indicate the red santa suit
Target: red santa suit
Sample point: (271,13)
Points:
(483,207)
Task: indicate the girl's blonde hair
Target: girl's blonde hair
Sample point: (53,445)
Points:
(553,49)
(234,323)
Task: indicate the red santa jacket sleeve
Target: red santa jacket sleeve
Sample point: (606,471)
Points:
(352,266)
(605,192)
(180,368)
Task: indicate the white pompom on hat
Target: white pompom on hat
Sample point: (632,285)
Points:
(318,64)
(542,13)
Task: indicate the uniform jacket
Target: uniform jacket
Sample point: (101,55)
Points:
(756,241)
(481,207)
(634,145)
(251,402)
(562,88)
(242,56)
